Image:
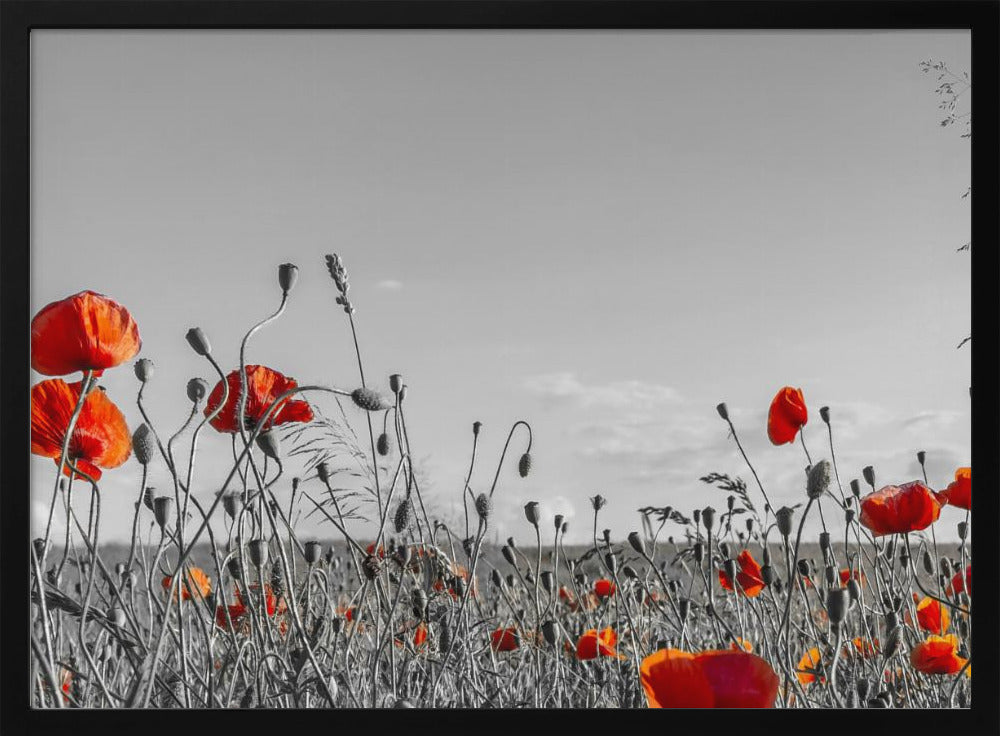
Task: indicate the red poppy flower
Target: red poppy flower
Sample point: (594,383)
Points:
(862,646)
(900,509)
(749,576)
(193,579)
(565,594)
(236,613)
(274,604)
(743,644)
(786,416)
(86,331)
(959,492)
(263,387)
(810,666)
(932,616)
(938,655)
(100,437)
(592,644)
(715,679)
(604,588)
(504,640)
(846,575)
(958,585)
(420,635)
(370,549)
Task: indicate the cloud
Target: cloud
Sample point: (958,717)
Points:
(933,420)
(566,389)
(389,285)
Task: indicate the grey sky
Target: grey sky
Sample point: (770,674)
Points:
(603,233)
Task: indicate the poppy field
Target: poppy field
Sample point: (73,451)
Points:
(220,601)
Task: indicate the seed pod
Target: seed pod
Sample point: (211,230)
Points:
(730,502)
(708,517)
(312,551)
(497,578)
(369,399)
(784,518)
(382,444)
(524,465)
(143,369)
(928,562)
(630,572)
(163,506)
(288,273)
(921,457)
(196,390)
(749,523)
(395,383)
(723,411)
(818,482)
(558,521)
(198,341)
(404,516)
(234,568)
(257,552)
(402,394)
(869,473)
(606,535)
(565,526)
(824,413)
(849,516)
(370,567)
(837,603)
(963,530)
(824,542)
(232,502)
(612,562)
(946,567)
(767,574)
(550,631)
(476,426)
(508,554)
(269,444)
(598,502)
(804,568)
(636,541)
(143,444)
(148,496)
(483,506)
(830,575)
(699,552)
(856,488)
(531,512)
(729,567)
(548,580)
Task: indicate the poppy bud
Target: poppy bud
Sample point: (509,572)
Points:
(684,608)
(116,616)
(558,521)
(824,413)
(323,471)
(531,512)
(232,502)
(382,445)
(904,558)
(830,575)
(890,548)
(963,530)
(404,516)
(730,502)
(630,572)
(767,574)
(162,508)
(257,552)
(336,624)
(696,515)
(511,581)
(723,411)
(819,479)
(269,444)
(312,550)
(197,388)
(369,399)
(612,562)
(749,523)
(837,602)
(606,534)
(824,541)
(234,568)
(565,526)
(468,545)
(803,567)
(497,578)
(524,465)
(550,631)
(724,549)
(483,506)
(142,444)
(766,555)
(729,567)
(508,554)
(198,341)
(849,516)
(395,383)
(144,369)
(945,567)
(928,563)
(699,552)
(921,457)
(287,275)
(598,502)
(853,589)
(548,580)
(476,426)
(370,567)
(708,517)
(869,473)
(856,488)
(636,541)
(784,517)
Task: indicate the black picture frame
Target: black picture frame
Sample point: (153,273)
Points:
(19,17)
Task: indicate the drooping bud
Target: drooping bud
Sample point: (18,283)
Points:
(804,568)
(369,399)
(198,341)
(531,512)
(143,443)
(824,413)
(699,552)
(928,562)
(269,444)
(856,488)
(921,457)
(508,554)
(784,517)
(524,465)
(612,562)
(324,472)
(869,473)
(382,445)
(197,389)
(819,479)
(730,567)
(548,580)
(749,523)
(288,273)
(723,411)
(144,369)
(724,549)
(636,541)
(684,608)
(497,578)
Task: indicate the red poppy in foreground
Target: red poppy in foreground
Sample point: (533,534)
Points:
(959,492)
(263,387)
(958,585)
(900,509)
(932,616)
(504,640)
(749,577)
(786,416)
(672,678)
(592,644)
(100,437)
(86,331)
(193,579)
(604,588)
(937,655)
